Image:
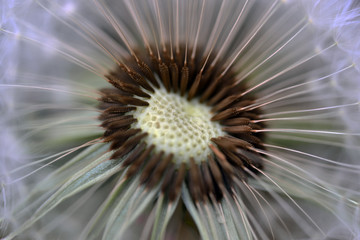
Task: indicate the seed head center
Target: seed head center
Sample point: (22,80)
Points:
(176,125)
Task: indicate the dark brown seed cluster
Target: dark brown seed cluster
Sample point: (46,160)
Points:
(232,153)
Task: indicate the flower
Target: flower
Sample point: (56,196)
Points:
(160,119)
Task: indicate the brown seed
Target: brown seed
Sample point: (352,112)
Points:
(135,166)
(159,170)
(244,103)
(118,122)
(140,80)
(225,165)
(175,189)
(223,144)
(128,146)
(236,141)
(219,95)
(122,134)
(224,103)
(132,89)
(225,114)
(194,87)
(209,90)
(174,70)
(118,109)
(112,98)
(127,100)
(235,159)
(169,177)
(195,182)
(165,75)
(150,165)
(236,121)
(208,182)
(134,155)
(148,73)
(184,80)
(238,129)
(215,171)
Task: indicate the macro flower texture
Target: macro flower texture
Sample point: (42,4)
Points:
(180,119)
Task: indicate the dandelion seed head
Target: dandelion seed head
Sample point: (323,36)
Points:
(140,119)
(173,107)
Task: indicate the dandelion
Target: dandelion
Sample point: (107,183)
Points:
(180,119)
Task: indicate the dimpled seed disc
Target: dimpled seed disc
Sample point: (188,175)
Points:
(176,125)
